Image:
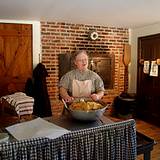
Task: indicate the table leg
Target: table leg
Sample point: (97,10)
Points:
(147,155)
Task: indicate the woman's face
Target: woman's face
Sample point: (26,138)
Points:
(81,61)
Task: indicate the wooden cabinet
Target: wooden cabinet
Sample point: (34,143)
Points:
(15,56)
(148,87)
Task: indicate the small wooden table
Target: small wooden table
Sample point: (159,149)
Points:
(144,145)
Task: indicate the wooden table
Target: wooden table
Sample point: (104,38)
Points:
(69,123)
(144,145)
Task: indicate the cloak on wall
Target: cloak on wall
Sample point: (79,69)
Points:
(42,106)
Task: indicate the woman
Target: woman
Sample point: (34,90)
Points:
(81,82)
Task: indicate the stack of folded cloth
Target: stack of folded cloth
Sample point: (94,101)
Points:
(22,103)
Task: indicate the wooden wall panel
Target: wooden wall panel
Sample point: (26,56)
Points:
(15,56)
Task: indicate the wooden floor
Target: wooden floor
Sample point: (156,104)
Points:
(143,127)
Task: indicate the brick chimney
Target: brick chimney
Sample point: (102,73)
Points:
(58,38)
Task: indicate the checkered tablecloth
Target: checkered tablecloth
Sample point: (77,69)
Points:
(116,141)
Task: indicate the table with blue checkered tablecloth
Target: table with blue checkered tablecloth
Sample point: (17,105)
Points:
(112,141)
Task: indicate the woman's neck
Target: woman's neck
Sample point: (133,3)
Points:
(81,71)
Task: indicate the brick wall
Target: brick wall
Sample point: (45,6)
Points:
(59,38)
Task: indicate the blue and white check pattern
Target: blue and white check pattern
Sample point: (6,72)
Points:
(116,141)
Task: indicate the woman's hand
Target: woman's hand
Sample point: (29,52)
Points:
(68,99)
(95,97)
(64,94)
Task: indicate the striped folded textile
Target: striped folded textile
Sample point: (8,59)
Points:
(22,103)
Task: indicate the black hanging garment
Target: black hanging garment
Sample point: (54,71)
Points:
(42,106)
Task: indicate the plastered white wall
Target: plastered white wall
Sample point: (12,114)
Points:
(135,33)
(36,37)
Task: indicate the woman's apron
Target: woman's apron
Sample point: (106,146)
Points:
(81,89)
